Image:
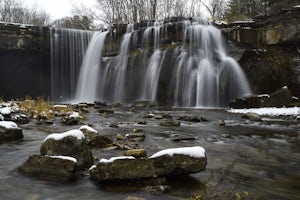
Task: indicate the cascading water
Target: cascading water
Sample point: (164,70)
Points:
(68,48)
(194,71)
(88,79)
(204,76)
(154,64)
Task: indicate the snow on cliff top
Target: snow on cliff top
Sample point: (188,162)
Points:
(293,111)
(59,136)
(196,152)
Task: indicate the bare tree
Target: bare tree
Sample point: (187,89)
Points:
(15,11)
(215,8)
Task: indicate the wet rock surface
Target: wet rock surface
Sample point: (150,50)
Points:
(49,168)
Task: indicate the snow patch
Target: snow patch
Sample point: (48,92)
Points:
(293,111)
(5,110)
(196,152)
(59,136)
(74,115)
(1,118)
(92,167)
(60,106)
(8,125)
(264,95)
(112,159)
(90,129)
(65,158)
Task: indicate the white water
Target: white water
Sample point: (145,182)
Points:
(204,76)
(88,79)
(154,65)
(197,73)
(68,48)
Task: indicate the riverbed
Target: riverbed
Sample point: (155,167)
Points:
(256,160)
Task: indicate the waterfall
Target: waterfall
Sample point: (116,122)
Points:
(154,65)
(88,79)
(204,75)
(191,69)
(68,48)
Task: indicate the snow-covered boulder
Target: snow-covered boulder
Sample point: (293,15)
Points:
(72,119)
(169,162)
(10,131)
(71,143)
(94,139)
(53,168)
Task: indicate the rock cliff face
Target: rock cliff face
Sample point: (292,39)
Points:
(25,61)
(270,50)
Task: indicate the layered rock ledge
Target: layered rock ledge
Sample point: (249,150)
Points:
(169,162)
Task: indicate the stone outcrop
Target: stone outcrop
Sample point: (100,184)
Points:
(279,98)
(280,27)
(49,168)
(124,168)
(68,146)
(267,50)
(9,131)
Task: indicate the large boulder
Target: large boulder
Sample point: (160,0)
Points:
(9,131)
(71,143)
(94,139)
(169,162)
(56,168)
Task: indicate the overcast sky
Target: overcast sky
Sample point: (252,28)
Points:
(58,8)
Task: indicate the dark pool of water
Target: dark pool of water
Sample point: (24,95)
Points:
(260,159)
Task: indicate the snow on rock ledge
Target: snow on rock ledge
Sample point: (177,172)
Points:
(71,143)
(196,152)
(73,133)
(169,162)
(9,131)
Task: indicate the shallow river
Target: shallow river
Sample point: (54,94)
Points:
(258,160)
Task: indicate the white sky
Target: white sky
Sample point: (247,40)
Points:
(58,8)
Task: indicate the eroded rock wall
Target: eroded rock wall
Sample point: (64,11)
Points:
(268,50)
(24,60)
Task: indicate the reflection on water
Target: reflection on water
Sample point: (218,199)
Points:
(262,158)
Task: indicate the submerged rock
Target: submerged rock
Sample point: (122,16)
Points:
(9,131)
(169,162)
(252,116)
(50,168)
(192,118)
(71,143)
(170,123)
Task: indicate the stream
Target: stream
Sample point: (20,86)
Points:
(257,159)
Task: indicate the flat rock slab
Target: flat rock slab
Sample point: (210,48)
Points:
(49,168)
(161,166)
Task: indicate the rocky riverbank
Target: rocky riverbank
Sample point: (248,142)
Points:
(139,131)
